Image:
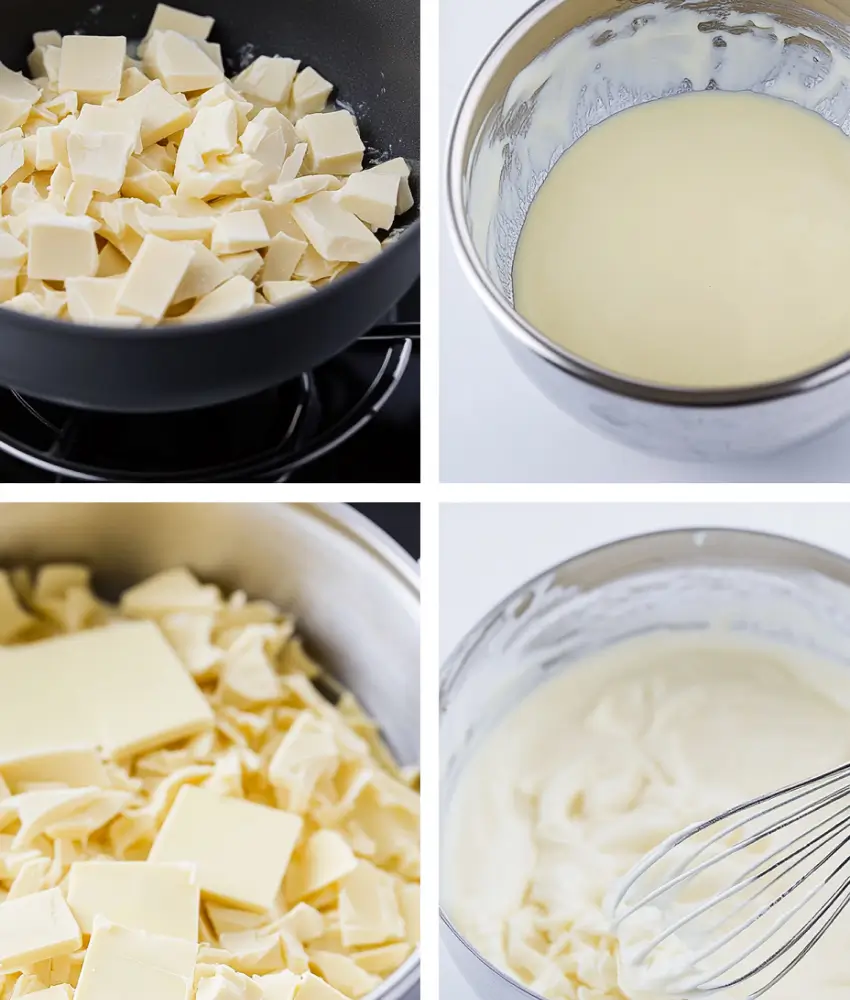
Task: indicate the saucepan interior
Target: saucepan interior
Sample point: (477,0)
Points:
(749,584)
(567,66)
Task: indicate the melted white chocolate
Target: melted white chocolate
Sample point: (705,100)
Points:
(698,241)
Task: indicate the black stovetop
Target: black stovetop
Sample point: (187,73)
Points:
(330,414)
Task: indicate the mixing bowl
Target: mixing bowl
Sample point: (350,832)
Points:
(354,592)
(567,65)
(757,585)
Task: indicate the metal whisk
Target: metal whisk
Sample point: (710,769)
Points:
(736,902)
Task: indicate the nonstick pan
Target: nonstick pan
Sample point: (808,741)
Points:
(370,50)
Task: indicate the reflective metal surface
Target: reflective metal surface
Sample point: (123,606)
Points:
(354,591)
(677,423)
(759,585)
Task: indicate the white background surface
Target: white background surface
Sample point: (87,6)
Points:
(495,425)
(487,551)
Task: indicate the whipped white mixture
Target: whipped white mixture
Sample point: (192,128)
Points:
(599,765)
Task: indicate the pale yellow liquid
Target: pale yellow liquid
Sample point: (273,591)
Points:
(695,241)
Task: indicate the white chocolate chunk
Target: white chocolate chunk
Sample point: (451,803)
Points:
(159,112)
(241,849)
(282,258)
(94,300)
(92,65)
(179,227)
(268,79)
(302,187)
(400,167)
(277,293)
(343,973)
(238,232)
(13,112)
(96,119)
(135,965)
(248,264)
(13,253)
(16,86)
(371,197)
(179,64)
(368,908)
(51,147)
(212,133)
(147,185)
(35,928)
(61,248)
(313,988)
(310,92)
(335,144)
(154,277)
(294,162)
(235,296)
(336,234)
(26,302)
(267,140)
(132,82)
(111,262)
(206,272)
(99,160)
(160,899)
(167,18)
(12,160)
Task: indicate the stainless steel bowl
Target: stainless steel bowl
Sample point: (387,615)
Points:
(755,584)
(354,591)
(499,157)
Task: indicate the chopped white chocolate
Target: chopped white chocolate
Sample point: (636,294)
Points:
(160,113)
(238,232)
(335,146)
(279,292)
(371,197)
(282,258)
(154,278)
(94,300)
(92,65)
(268,79)
(258,178)
(35,928)
(336,234)
(310,92)
(302,187)
(61,248)
(248,264)
(99,160)
(168,18)
(233,297)
(179,64)
(402,169)
(206,272)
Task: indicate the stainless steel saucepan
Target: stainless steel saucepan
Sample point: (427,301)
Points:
(354,591)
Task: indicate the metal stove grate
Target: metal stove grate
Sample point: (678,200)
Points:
(262,439)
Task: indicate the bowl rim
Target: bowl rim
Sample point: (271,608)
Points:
(528,336)
(699,539)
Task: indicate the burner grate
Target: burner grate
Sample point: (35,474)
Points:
(262,439)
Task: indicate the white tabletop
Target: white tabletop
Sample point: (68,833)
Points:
(486,551)
(495,425)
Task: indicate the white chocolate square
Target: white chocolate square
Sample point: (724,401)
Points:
(335,144)
(371,197)
(336,234)
(236,295)
(268,79)
(310,93)
(179,64)
(92,65)
(160,113)
(280,292)
(167,18)
(237,232)
(154,277)
(241,849)
(62,247)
